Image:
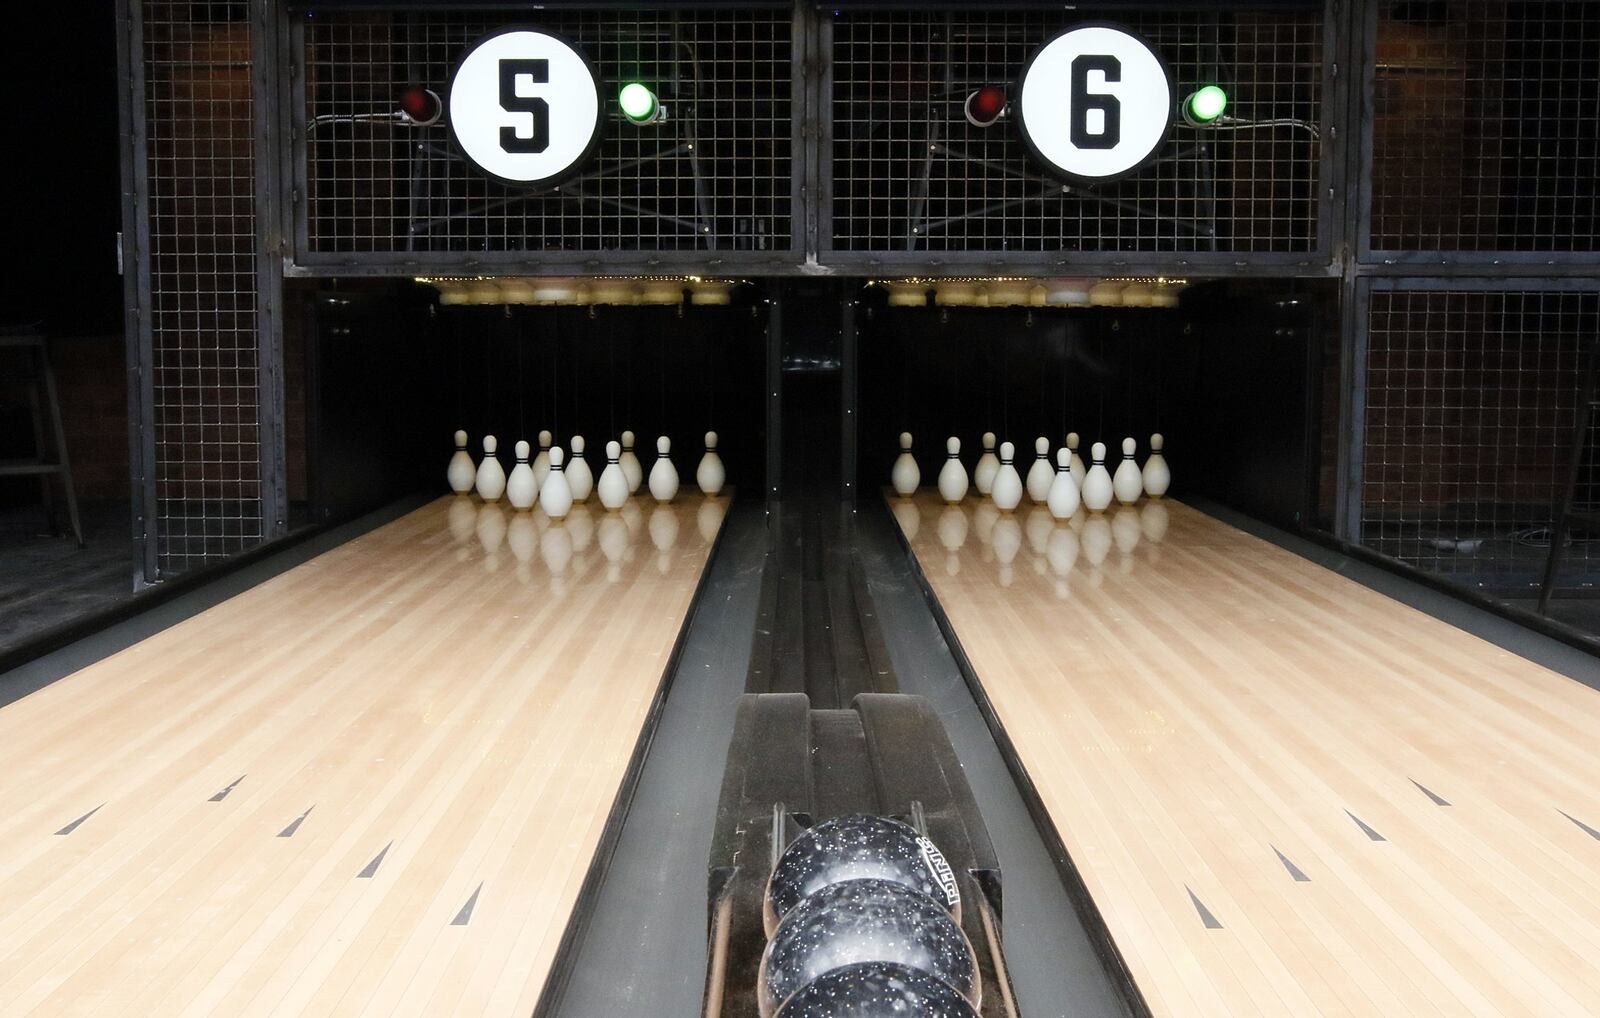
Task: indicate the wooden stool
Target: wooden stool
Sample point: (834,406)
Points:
(39,377)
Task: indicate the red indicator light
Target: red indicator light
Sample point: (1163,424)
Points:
(985,105)
(421,106)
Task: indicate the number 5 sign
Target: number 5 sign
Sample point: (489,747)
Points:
(524,107)
(1094,103)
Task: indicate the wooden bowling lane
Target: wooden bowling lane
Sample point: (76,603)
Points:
(372,785)
(1288,793)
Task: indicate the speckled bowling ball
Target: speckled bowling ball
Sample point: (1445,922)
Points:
(852,848)
(858,921)
(876,989)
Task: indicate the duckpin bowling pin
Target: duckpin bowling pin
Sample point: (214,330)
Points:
(491,478)
(1157,475)
(1097,482)
(952,476)
(461,474)
(905,476)
(1007,490)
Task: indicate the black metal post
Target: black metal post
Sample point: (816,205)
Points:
(848,395)
(135,264)
(774,397)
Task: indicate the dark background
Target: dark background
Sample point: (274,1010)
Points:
(60,184)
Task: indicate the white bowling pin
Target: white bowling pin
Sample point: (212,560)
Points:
(461,474)
(555,497)
(1063,498)
(1097,482)
(1157,476)
(905,476)
(1127,483)
(491,480)
(579,477)
(541,462)
(988,465)
(952,476)
(630,464)
(520,489)
(1007,490)
(663,475)
(1079,471)
(613,486)
(1041,473)
(710,475)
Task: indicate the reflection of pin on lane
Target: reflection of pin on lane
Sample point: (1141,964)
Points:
(1125,529)
(462,518)
(708,518)
(1096,539)
(952,527)
(491,530)
(522,536)
(1037,527)
(664,535)
(1153,520)
(909,516)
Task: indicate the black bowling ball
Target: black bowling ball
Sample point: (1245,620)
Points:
(858,921)
(876,989)
(853,848)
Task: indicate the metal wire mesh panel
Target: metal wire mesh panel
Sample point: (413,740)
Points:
(197,108)
(1487,134)
(910,173)
(715,175)
(1471,406)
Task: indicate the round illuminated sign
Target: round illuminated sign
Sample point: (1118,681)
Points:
(525,107)
(1094,103)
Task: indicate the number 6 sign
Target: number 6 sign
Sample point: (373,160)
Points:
(524,107)
(1094,103)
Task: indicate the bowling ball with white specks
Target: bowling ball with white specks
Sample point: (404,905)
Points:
(856,847)
(858,921)
(876,989)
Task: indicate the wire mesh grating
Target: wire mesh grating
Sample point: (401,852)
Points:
(1470,412)
(202,250)
(910,173)
(715,175)
(1487,128)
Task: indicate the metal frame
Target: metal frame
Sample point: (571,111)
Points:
(136,288)
(265,39)
(1371,261)
(775,396)
(811,250)
(849,397)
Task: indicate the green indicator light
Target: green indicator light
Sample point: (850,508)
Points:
(1205,105)
(638,103)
